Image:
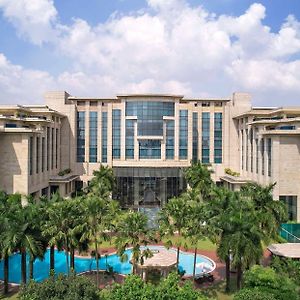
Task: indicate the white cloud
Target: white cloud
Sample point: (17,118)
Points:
(33,19)
(169,47)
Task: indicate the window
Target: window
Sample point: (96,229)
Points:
(93,136)
(37,155)
(183,134)
(242,137)
(251,150)
(43,154)
(205,137)
(170,139)
(269,141)
(104,137)
(81,136)
(129,143)
(257,153)
(218,104)
(218,126)
(116,128)
(205,104)
(48,148)
(149,149)
(262,149)
(31,155)
(52,148)
(195,136)
(291,205)
(247,149)
(56,148)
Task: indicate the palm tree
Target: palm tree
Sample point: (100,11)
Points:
(173,218)
(102,183)
(98,214)
(133,232)
(198,176)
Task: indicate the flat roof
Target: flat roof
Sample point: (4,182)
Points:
(289,250)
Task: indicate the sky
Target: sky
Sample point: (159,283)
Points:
(195,48)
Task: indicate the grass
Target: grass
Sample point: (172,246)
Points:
(205,244)
(217,291)
(13,296)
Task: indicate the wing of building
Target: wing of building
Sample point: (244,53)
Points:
(148,139)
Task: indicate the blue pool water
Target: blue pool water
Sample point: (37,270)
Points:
(41,267)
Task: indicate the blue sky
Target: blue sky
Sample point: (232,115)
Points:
(204,48)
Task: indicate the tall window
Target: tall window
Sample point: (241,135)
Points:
(37,154)
(195,136)
(129,153)
(291,205)
(80,136)
(170,139)
(116,128)
(31,155)
(48,148)
(242,137)
(205,137)
(104,137)
(56,148)
(183,134)
(52,148)
(218,124)
(269,157)
(149,149)
(257,153)
(43,154)
(247,149)
(262,149)
(93,136)
(251,150)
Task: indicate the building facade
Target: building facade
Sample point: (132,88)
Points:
(148,140)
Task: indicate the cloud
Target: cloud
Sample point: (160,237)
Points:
(168,47)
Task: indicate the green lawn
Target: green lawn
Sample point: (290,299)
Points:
(201,245)
(11,297)
(217,291)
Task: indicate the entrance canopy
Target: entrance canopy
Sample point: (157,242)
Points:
(289,250)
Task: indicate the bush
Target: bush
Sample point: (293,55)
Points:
(254,294)
(231,173)
(62,287)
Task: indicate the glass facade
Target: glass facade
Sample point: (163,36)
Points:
(93,152)
(183,134)
(195,137)
(218,127)
(116,128)
(291,205)
(129,153)
(147,186)
(149,116)
(149,149)
(205,137)
(170,139)
(104,137)
(269,157)
(80,136)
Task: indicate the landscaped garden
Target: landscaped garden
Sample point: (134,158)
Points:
(44,238)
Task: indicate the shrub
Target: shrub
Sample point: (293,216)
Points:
(61,287)
(231,173)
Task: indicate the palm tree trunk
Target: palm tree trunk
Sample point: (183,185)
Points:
(227,263)
(97,262)
(31,266)
(177,256)
(6,272)
(67,256)
(239,276)
(52,264)
(23,265)
(195,260)
(72,259)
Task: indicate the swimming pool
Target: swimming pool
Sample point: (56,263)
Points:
(41,267)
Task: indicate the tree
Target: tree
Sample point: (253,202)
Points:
(198,176)
(173,218)
(132,231)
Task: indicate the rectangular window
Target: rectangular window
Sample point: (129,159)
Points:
(218,134)
(262,149)
(37,154)
(195,136)
(52,148)
(269,157)
(129,143)
(251,151)
(31,155)
(80,136)
(242,137)
(257,153)
(170,139)
(48,148)
(247,149)
(43,154)
(150,149)
(56,148)
(104,137)
(93,136)
(116,128)
(205,137)
(291,205)
(183,134)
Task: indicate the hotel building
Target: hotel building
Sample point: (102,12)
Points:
(148,140)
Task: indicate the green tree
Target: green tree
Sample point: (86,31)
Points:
(132,231)
(173,219)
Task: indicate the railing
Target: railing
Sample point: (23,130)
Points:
(287,235)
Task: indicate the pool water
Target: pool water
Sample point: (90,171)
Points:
(41,267)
